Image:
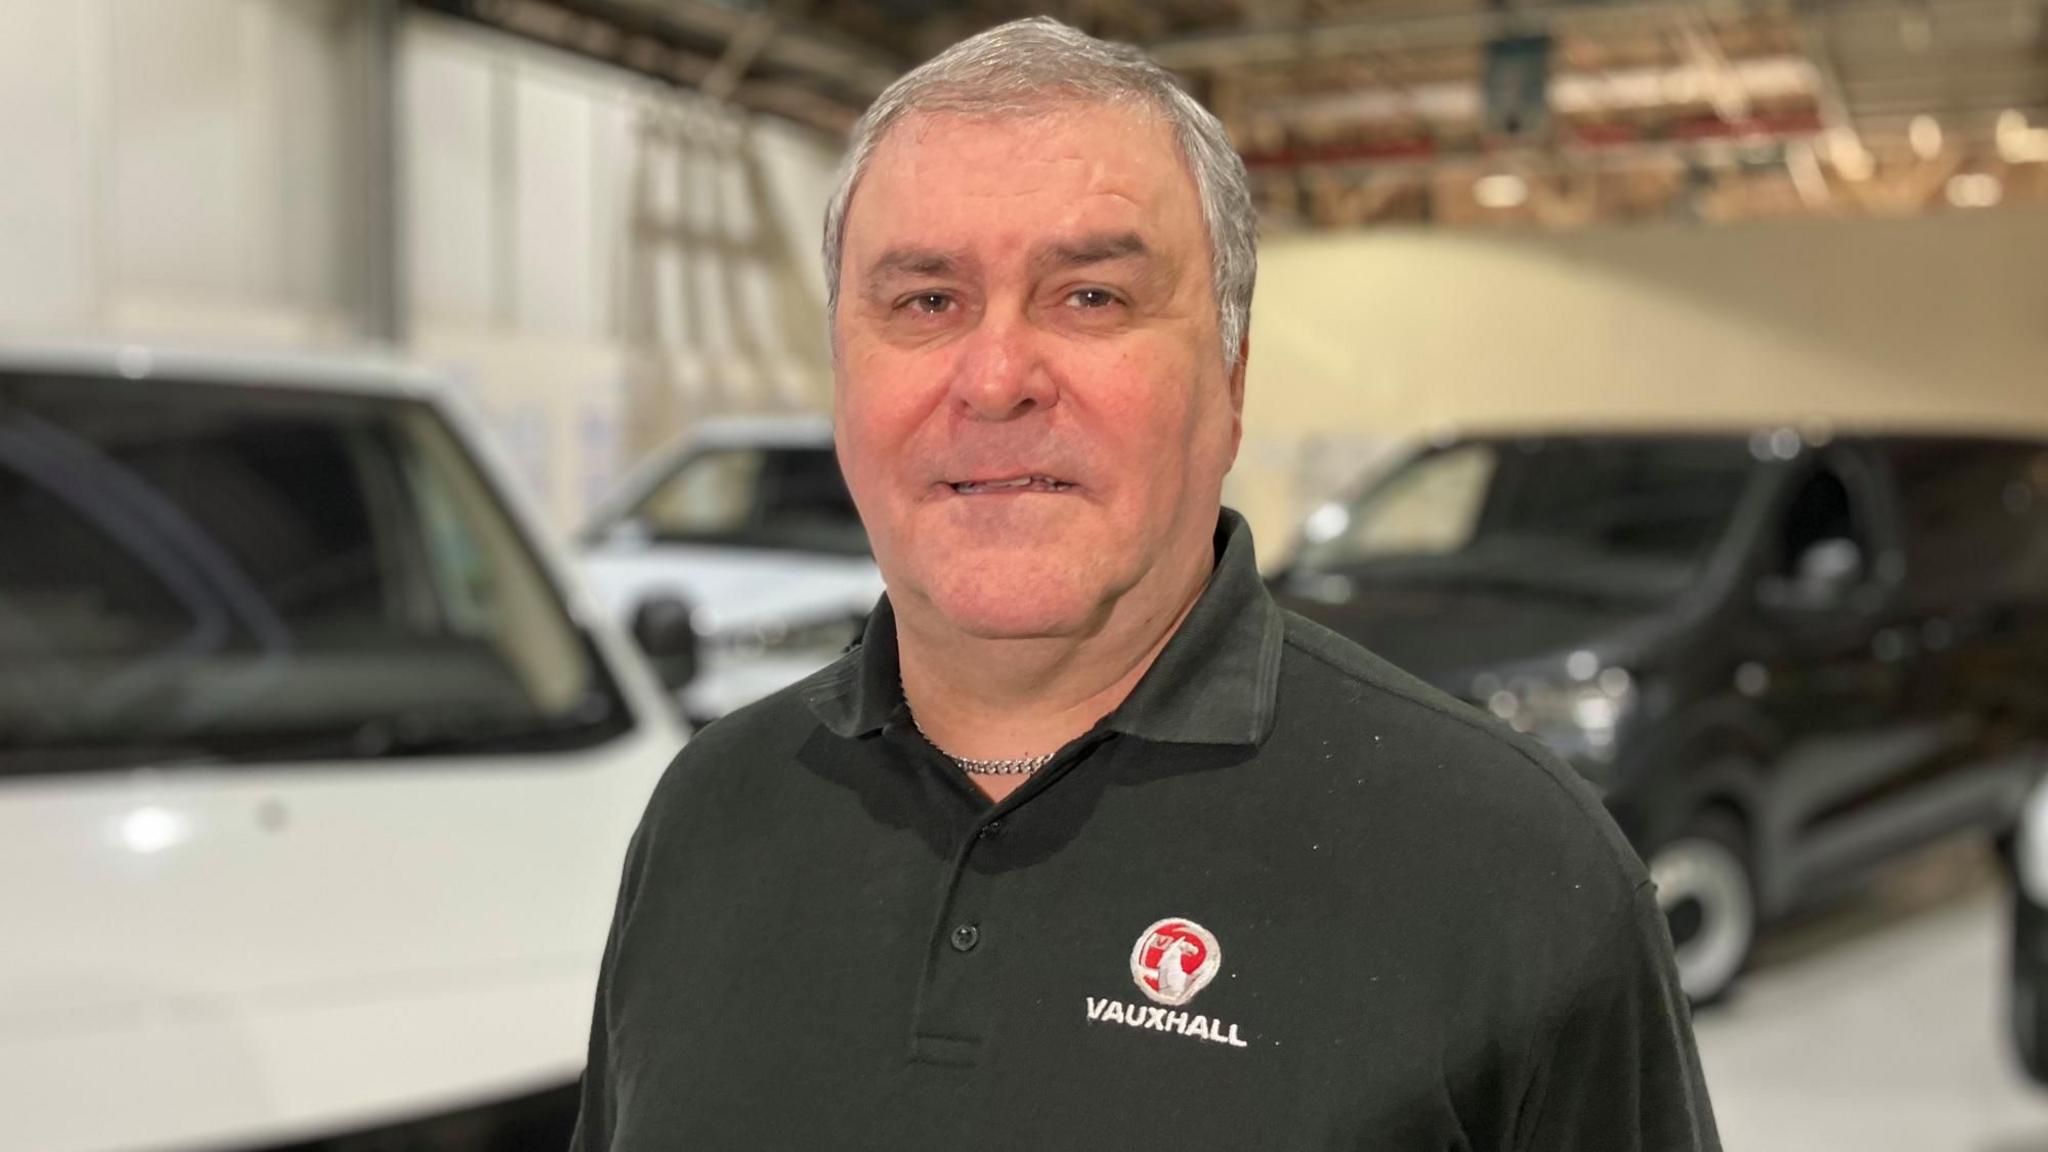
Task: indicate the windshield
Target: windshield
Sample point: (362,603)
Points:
(194,571)
(1600,515)
(754,496)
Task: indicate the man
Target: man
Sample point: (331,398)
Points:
(1088,844)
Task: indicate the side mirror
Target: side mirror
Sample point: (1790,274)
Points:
(662,628)
(1823,577)
(1828,570)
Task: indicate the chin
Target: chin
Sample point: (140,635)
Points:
(1013,622)
(1020,602)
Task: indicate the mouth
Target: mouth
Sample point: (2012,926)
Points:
(1014,484)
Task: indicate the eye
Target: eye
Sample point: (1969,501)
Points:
(927,303)
(1091,298)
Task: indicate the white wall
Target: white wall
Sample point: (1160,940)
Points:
(178,168)
(1364,339)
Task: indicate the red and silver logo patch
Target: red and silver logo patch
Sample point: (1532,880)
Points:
(1174,960)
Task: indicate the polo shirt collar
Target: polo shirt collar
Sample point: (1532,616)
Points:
(1216,682)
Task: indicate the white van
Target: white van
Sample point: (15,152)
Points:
(748,521)
(315,777)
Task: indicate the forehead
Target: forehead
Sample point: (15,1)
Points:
(955,180)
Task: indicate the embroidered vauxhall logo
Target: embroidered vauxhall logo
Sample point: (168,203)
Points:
(1172,961)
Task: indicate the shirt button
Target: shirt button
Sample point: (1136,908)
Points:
(965,937)
(990,829)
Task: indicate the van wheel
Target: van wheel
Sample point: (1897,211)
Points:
(1709,903)
(2029,981)
(2028,1011)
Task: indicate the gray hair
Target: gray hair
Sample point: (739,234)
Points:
(1027,66)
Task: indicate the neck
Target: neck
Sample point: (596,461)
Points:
(1005,699)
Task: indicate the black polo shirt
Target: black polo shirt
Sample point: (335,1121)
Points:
(1285,897)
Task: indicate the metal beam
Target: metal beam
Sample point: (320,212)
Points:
(795,48)
(739,56)
(1409,31)
(1709,142)
(614,34)
(1392,32)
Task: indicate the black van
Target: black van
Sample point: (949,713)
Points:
(1782,658)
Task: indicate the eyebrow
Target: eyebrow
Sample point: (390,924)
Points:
(1094,248)
(1079,252)
(913,262)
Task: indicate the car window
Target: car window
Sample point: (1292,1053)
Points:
(1639,513)
(1429,508)
(754,496)
(713,493)
(199,571)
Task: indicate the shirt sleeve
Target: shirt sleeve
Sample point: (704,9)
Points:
(596,1111)
(1621,1073)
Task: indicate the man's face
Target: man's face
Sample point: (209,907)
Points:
(1032,407)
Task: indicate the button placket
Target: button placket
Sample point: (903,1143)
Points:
(955,1002)
(965,920)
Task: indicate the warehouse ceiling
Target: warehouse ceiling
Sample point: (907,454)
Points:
(1461,112)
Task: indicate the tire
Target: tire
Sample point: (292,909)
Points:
(2028,1024)
(2027,993)
(1708,895)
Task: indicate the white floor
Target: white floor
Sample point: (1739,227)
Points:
(1879,1026)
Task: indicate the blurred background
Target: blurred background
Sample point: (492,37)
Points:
(472,352)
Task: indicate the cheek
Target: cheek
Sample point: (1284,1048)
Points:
(1146,405)
(1166,426)
(879,410)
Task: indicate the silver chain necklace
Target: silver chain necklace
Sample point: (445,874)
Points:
(985,767)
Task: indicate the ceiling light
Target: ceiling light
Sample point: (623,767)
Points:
(2019,142)
(1849,156)
(1501,190)
(1924,134)
(1975,190)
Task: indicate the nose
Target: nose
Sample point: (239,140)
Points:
(1002,373)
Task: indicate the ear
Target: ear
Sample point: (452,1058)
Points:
(1244,355)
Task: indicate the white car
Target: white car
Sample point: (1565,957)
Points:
(315,774)
(748,521)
